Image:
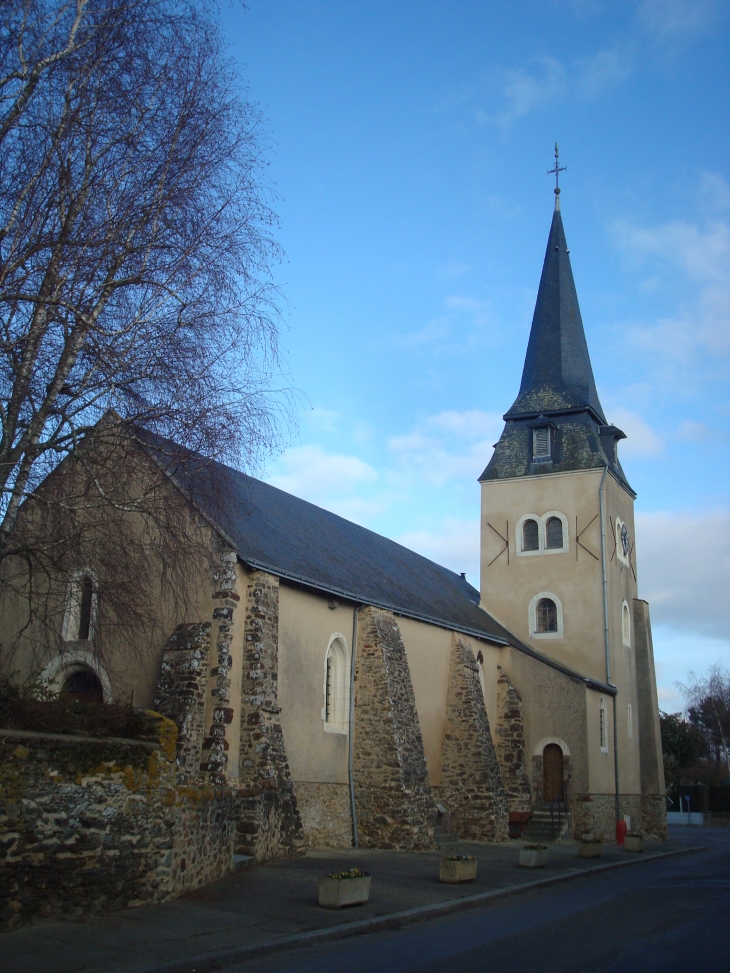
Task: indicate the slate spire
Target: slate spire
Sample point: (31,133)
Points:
(557,373)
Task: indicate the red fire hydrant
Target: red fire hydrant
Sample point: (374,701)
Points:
(620,832)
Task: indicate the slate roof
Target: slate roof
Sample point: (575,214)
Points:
(275,531)
(557,388)
(557,374)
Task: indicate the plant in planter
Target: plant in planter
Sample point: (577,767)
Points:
(633,842)
(339,889)
(533,856)
(589,846)
(458,868)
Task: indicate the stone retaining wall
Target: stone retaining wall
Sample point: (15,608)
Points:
(92,825)
(395,805)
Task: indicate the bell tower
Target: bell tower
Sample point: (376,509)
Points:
(558,559)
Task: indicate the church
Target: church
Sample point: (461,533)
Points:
(351,691)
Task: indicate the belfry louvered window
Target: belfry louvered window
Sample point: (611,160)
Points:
(541,443)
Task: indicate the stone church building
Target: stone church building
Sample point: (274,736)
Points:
(353,691)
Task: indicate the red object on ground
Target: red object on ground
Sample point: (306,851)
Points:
(620,832)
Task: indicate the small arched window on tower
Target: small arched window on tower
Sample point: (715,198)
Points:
(541,443)
(530,536)
(603,731)
(546,615)
(554,533)
(626,624)
(630,724)
(336,688)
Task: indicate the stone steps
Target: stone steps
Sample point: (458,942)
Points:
(541,827)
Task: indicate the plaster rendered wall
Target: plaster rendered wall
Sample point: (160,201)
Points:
(132,663)
(429,649)
(306,627)
(575,577)
(506,589)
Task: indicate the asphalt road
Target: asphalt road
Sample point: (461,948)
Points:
(673,915)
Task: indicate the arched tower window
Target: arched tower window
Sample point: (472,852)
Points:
(554,533)
(336,712)
(546,615)
(603,730)
(626,624)
(630,724)
(530,536)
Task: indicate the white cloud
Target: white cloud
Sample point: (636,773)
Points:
(453,268)
(453,543)
(641,440)
(446,446)
(603,70)
(523,90)
(684,569)
(694,432)
(670,18)
(313,474)
(695,258)
(466,321)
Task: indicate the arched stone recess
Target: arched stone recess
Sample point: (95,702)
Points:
(182,691)
(268,823)
(395,805)
(471,784)
(510,736)
(64,665)
(537,767)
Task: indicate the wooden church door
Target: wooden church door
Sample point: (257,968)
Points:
(552,773)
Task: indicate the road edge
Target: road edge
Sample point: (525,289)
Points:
(207,962)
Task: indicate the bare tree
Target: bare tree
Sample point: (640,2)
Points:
(135,242)
(709,709)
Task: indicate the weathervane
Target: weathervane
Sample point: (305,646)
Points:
(557,169)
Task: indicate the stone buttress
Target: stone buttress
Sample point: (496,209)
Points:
(182,692)
(395,806)
(268,822)
(510,734)
(471,785)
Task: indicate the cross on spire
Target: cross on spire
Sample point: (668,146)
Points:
(557,169)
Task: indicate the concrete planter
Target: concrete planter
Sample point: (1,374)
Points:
(335,893)
(533,857)
(633,842)
(454,872)
(589,849)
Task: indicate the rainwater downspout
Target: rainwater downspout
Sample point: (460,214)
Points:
(606,637)
(351,729)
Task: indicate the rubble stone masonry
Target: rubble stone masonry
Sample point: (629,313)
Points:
(471,785)
(510,736)
(395,805)
(182,691)
(92,825)
(268,822)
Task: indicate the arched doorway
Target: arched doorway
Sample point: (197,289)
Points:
(552,773)
(83,685)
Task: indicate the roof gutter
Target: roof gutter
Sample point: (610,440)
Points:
(497,640)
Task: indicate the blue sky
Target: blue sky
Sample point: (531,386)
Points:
(410,143)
